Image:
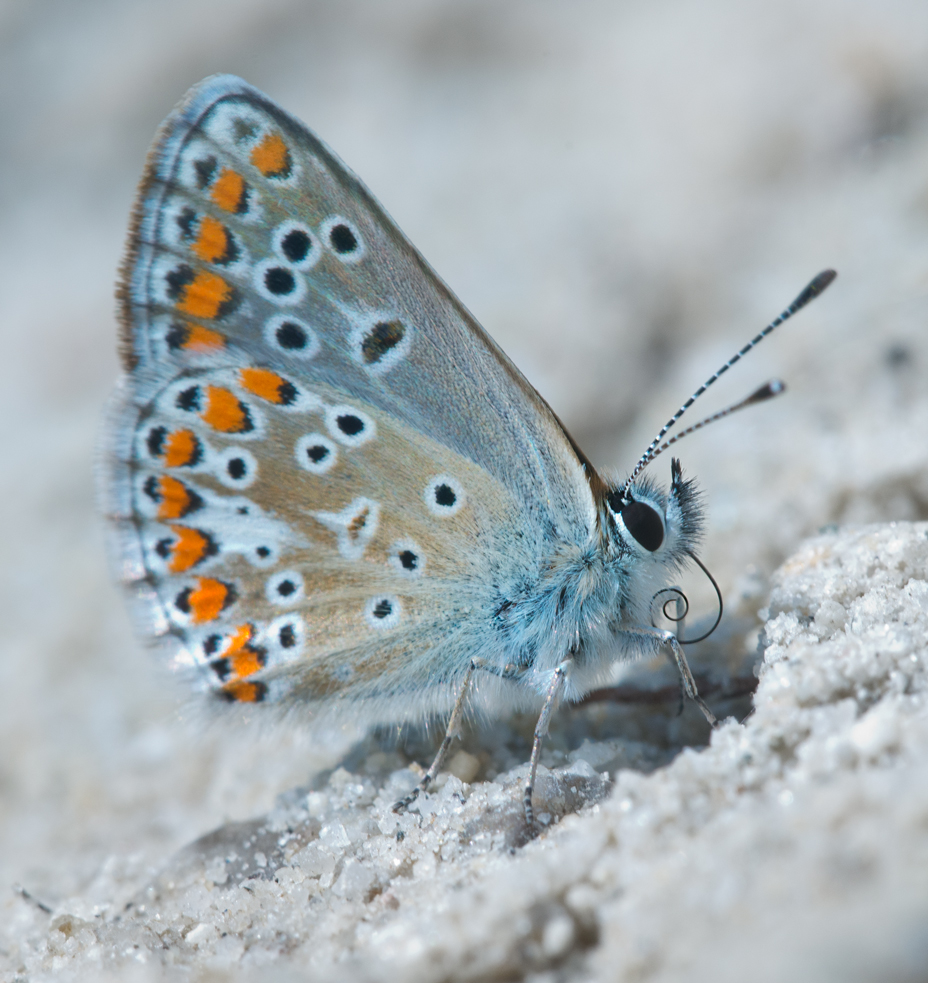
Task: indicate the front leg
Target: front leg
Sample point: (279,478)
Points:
(686,676)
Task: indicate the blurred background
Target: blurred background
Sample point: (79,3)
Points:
(621,192)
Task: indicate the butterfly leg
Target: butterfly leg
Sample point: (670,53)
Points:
(683,667)
(679,622)
(541,728)
(454,723)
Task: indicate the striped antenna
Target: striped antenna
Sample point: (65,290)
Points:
(767,391)
(815,287)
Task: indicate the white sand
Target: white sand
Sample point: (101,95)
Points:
(621,194)
(794,844)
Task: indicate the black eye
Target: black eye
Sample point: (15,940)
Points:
(643,523)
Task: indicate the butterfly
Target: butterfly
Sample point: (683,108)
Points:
(332,493)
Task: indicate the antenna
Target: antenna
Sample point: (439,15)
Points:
(815,287)
(768,390)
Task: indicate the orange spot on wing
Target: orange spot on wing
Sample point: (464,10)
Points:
(225,412)
(271,156)
(238,658)
(242,635)
(181,447)
(246,663)
(176,498)
(205,296)
(203,339)
(208,599)
(263,383)
(213,240)
(230,191)
(191,547)
(243,692)
(359,521)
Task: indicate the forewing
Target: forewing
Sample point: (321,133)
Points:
(230,176)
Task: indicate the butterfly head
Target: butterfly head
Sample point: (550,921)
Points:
(656,527)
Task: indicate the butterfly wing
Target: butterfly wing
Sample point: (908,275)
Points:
(325,473)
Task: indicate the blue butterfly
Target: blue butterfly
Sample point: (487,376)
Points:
(332,493)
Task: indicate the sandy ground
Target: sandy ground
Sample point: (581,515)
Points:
(622,194)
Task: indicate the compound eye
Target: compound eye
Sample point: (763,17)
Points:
(644,524)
